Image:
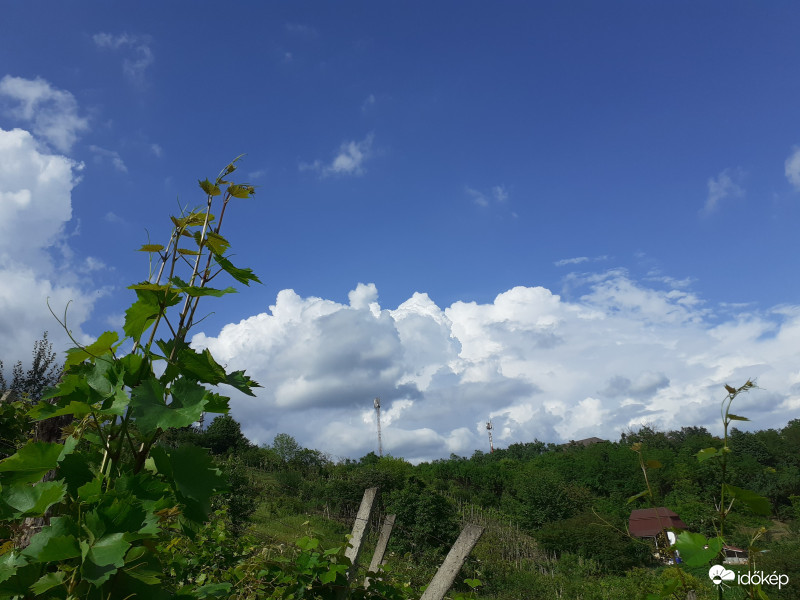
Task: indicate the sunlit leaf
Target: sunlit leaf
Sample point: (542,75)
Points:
(209,188)
(244,276)
(707,453)
(151,248)
(103,345)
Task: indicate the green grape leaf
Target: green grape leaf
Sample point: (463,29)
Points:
(196,291)
(733,417)
(201,366)
(59,527)
(142,313)
(209,188)
(76,471)
(244,276)
(216,243)
(241,382)
(9,563)
(240,191)
(31,462)
(58,548)
(217,404)
(758,504)
(707,453)
(695,550)
(196,478)
(152,413)
(32,501)
(49,580)
(103,345)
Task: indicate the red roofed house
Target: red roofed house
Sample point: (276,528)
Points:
(648,522)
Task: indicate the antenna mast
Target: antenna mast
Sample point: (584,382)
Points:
(489,429)
(378,413)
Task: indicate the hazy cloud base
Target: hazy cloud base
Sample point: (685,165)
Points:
(539,366)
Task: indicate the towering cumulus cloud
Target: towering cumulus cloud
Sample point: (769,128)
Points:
(35,206)
(620,355)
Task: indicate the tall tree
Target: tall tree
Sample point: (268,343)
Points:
(44,372)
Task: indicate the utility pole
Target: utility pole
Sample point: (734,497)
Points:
(378,413)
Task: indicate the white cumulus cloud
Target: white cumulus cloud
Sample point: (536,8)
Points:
(540,366)
(35,206)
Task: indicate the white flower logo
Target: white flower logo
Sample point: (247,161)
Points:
(718,574)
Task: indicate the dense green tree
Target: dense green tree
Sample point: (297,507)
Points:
(224,435)
(286,447)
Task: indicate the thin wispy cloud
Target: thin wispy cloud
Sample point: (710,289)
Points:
(349,159)
(301,29)
(498,194)
(51,113)
(792,168)
(157,150)
(725,185)
(103,154)
(571,261)
(140,54)
(368,103)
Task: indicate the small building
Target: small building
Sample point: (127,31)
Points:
(734,556)
(649,522)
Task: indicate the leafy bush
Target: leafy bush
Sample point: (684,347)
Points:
(587,536)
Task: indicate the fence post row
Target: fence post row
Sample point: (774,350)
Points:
(445,576)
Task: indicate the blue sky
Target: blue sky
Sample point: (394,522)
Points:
(476,211)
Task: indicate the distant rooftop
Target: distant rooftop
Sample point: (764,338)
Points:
(585,442)
(648,522)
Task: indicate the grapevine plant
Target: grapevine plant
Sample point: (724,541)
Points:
(83,517)
(694,548)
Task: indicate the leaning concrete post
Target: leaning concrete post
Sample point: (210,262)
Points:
(360,528)
(380,548)
(446,575)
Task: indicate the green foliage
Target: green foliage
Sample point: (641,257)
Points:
(427,521)
(588,536)
(224,435)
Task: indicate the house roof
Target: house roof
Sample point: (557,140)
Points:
(584,442)
(647,522)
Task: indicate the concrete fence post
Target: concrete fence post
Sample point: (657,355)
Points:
(446,575)
(380,548)
(360,528)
